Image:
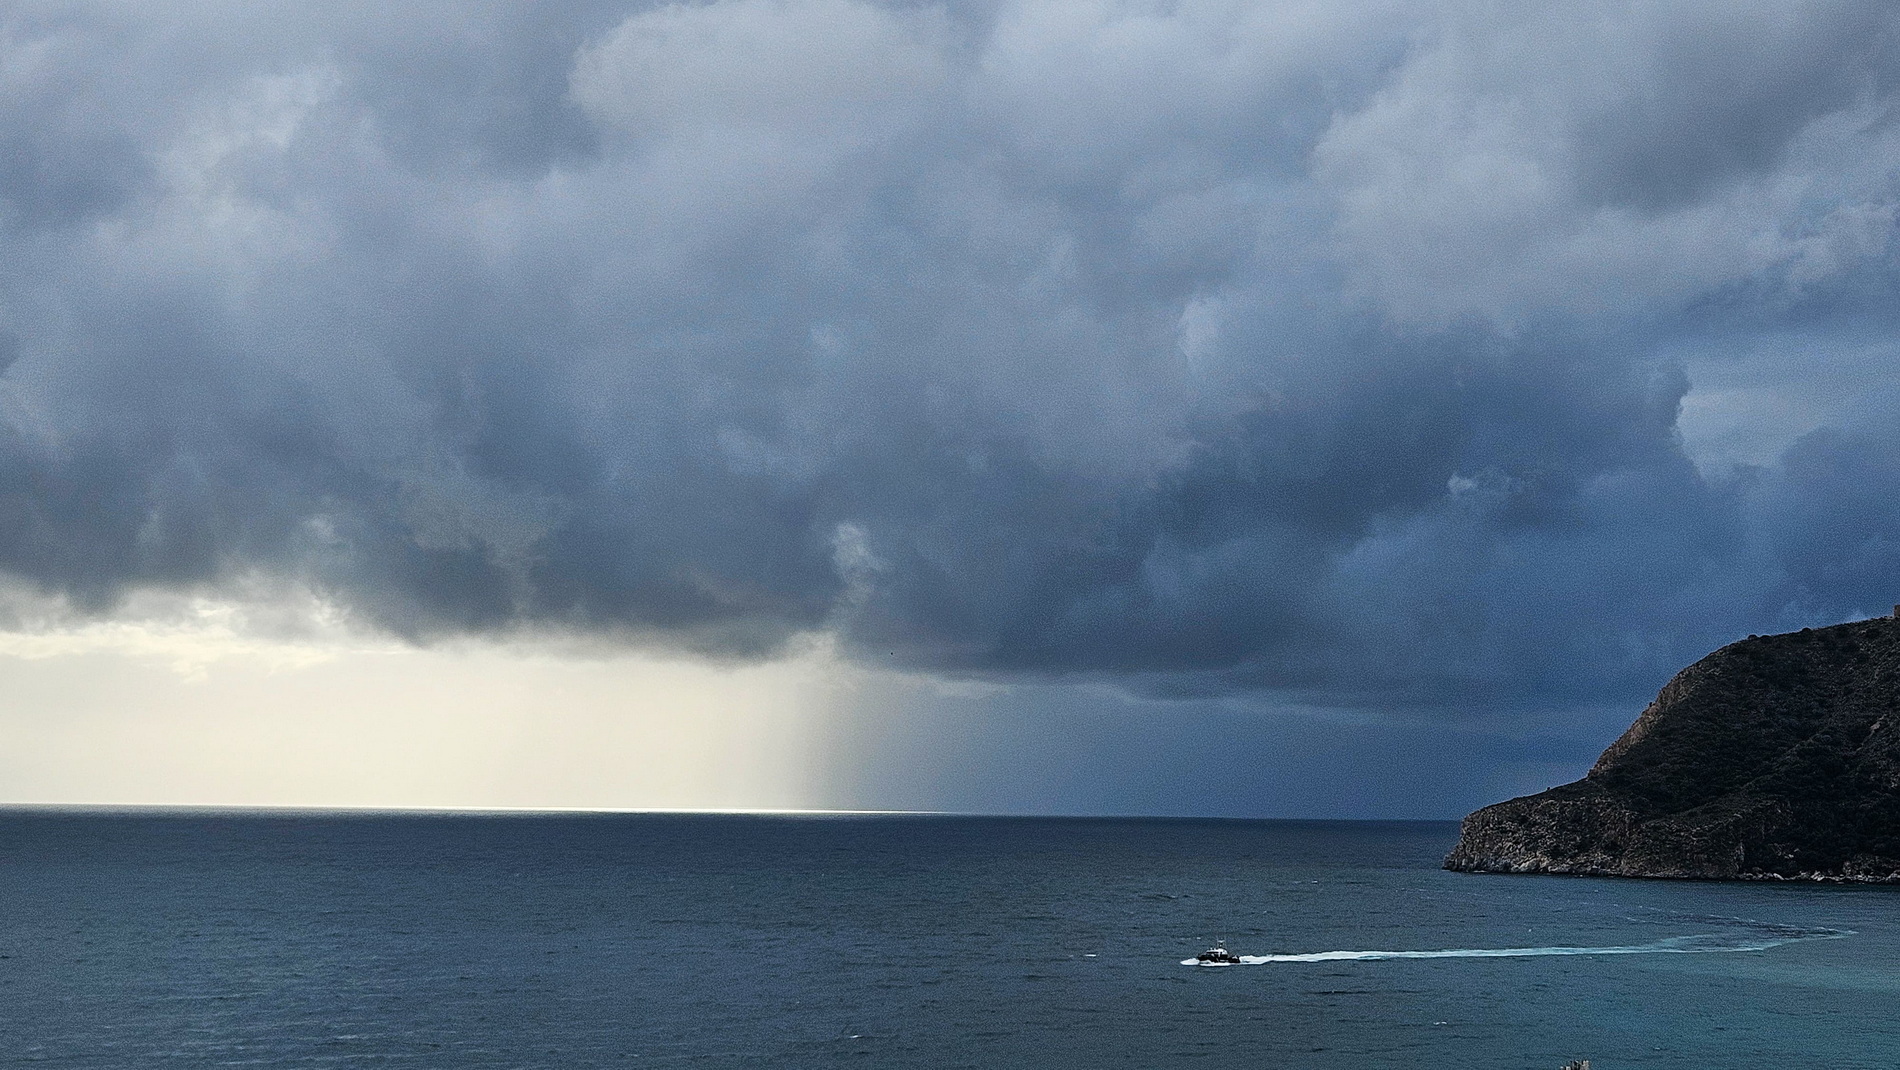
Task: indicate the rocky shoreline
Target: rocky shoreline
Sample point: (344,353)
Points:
(1776,758)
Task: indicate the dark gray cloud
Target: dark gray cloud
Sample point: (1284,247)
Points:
(1329,351)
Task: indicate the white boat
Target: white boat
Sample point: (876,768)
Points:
(1218,955)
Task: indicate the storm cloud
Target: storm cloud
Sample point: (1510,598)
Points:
(1338,352)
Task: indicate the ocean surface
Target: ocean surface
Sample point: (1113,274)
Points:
(144,940)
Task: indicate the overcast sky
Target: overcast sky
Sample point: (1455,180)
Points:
(1321,408)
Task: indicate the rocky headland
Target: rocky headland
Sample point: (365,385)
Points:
(1774,758)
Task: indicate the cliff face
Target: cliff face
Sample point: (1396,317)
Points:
(1773,758)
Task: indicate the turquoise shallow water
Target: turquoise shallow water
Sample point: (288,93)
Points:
(570,941)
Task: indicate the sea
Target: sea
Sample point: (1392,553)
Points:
(151,939)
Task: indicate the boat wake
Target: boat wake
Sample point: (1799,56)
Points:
(1747,936)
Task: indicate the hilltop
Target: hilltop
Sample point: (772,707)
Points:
(1777,757)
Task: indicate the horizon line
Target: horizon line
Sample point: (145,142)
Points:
(293,808)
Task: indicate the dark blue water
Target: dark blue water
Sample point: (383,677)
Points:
(573,941)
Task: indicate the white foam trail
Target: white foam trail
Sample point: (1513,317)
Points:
(1765,937)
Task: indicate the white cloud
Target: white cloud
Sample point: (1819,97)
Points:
(1605,159)
(268,627)
(838,68)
